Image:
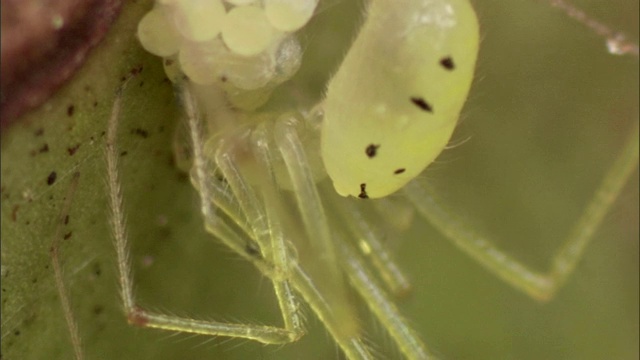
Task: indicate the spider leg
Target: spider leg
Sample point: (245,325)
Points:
(54,251)
(142,317)
(315,223)
(372,246)
(351,345)
(215,194)
(396,212)
(265,228)
(381,305)
(350,261)
(541,286)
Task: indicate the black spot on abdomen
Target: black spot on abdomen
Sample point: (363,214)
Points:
(371,150)
(363,191)
(422,104)
(447,63)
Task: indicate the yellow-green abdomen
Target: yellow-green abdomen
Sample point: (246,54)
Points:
(393,104)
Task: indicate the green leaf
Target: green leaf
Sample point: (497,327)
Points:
(546,116)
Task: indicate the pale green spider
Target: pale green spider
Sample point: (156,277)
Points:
(428,338)
(240,172)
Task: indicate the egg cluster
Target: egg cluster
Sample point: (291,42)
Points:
(238,45)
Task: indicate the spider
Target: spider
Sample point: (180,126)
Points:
(418,203)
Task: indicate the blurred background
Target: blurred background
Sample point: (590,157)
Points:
(549,110)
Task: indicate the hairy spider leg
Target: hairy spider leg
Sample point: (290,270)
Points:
(141,317)
(54,251)
(540,286)
(289,145)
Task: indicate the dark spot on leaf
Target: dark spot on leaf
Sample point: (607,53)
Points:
(70,110)
(140,132)
(97,271)
(399,171)
(67,235)
(43,149)
(72,150)
(14,213)
(98,309)
(136,70)
(51,178)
